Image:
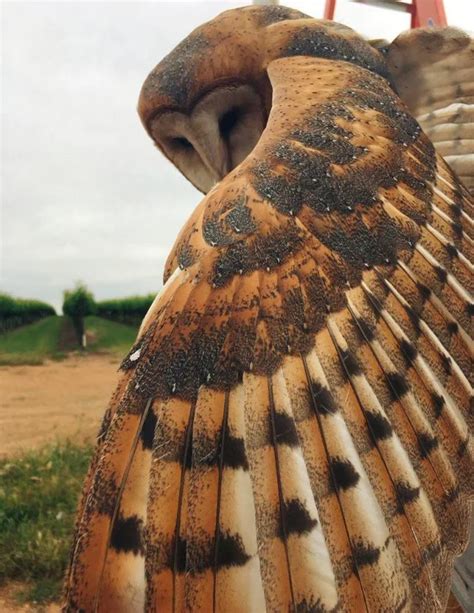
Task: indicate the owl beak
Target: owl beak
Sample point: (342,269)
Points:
(213,151)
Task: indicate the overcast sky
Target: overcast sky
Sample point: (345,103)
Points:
(85,195)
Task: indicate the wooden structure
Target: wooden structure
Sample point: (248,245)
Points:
(423,12)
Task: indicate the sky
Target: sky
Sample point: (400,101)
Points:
(85,194)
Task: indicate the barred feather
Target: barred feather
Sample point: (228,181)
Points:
(292,430)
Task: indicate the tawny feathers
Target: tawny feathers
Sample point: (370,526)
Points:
(291,431)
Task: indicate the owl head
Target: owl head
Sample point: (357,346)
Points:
(206,104)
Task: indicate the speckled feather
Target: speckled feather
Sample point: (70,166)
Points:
(291,431)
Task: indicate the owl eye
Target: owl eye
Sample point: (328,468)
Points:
(182,142)
(228,121)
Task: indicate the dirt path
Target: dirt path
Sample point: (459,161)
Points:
(41,404)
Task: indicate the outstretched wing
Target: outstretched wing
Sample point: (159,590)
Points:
(433,69)
(291,428)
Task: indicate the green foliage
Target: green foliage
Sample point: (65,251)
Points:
(33,343)
(129,310)
(38,498)
(16,312)
(77,304)
(41,591)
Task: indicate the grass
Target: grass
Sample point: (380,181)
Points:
(33,343)
(53,337)
(38,498)
(109,336)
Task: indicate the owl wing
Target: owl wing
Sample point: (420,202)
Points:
(291,427)
(433,69)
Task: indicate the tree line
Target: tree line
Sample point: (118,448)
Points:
(78,303)
(16,312)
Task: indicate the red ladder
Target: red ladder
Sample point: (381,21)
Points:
(423,12)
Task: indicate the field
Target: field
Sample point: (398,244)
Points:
(53,398)
(32,344)
(53,338)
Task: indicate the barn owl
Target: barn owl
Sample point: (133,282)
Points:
(291,428)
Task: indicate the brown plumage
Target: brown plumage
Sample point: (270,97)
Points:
(291,431)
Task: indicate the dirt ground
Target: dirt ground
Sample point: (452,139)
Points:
(9,605)
(41,404)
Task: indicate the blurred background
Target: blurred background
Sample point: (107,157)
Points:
(89,211)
